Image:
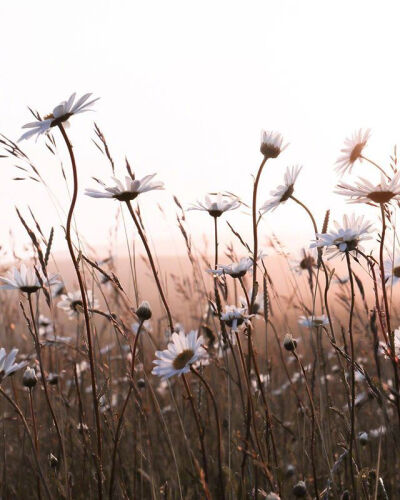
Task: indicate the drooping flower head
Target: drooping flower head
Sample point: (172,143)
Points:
(366,192)
(283,192)
(72,304)
(352,150)
(346,237)
(216,204)
(61,114)
(271,144)
(133,187)
(7,365)
(182,352)
(26,280)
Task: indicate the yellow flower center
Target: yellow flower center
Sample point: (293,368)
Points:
(182,359)
(357,150)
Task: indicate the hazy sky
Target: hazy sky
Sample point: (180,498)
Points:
(186,88)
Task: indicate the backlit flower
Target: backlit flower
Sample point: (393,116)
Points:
(283,192)
(235,317)
(7,365)
(128,192)
(392,271)
(236,269)
(352,150)
(216,205)
(366,192)
(346,237)
(26,280)
(271,144)
(72,304)
(313,321)
(181,353)
(60,114)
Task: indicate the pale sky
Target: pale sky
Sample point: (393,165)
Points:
(186,88)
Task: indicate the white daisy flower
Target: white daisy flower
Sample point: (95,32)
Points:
(60,114)
(216,205)
(366,192)
(346,237)
(71,303)
(236,269)
(271,144)
(235,317)
(181,353)
(7,365)
(352,150)
(313,321)
(128,192)
(392,271)
(283,192)
(307,261)
(26,280)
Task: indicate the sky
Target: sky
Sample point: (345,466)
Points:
(185,89)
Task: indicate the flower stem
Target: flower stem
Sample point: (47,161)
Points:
(375,165)
(85,311)
(219,437)
(25,423)
(153,267)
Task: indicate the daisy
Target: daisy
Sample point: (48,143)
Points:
(26,280)
(366,192)
(283,192)
(235,316)
(216,205)
(352,151)
(392,271)
(60,114)
(346,237)
(181,353)
(313,321)
(7,365)
(133,187)
(271,144)
(71,303)
(236,269)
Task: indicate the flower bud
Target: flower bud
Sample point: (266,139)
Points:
(53,461)
(29,378)
(300,490)
(141,383)
(289,343)
(52,378)
(143,312)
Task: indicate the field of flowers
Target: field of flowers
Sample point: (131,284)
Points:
(257,391)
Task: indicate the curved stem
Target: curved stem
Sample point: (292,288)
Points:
(25,423)
(121,417)
(375,165)
(152,264)
(85,310)
(255,231)
(219,440)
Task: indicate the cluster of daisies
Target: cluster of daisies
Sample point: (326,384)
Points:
(183,351)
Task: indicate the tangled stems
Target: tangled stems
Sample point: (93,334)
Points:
(353,383)
(153,267)
(35,453)
(125,405)
(46,393)
(198,425)
(85,311)
(219,438)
